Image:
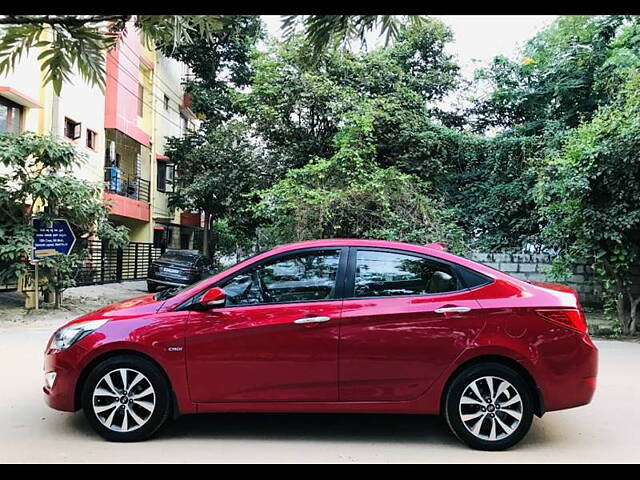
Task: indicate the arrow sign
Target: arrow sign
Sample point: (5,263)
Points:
(53,239)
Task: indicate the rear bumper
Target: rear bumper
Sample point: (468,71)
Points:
(571,381)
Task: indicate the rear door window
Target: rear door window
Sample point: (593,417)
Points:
(383,274)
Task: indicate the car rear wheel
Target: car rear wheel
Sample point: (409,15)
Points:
(126,398)
(489,406)
(151,288)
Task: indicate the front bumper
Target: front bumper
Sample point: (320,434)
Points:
(66,365)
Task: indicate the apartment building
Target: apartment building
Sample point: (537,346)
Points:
(122,130)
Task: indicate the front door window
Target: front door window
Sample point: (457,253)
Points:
(301,277)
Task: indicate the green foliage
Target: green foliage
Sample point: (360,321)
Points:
(297,106)
(39,167)
(556,81)
(322,31)
(219,63)
(348,195)
(81,41)
(589,196)
(216,170)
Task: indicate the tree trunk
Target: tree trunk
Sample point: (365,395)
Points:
(57,299)
(622,314)
(633,314)
(205,235)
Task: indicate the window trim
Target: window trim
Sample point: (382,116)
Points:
(140,97)
(78,126)
(21,112)
(95,140)
(351,274)
(168,165)
(338,294)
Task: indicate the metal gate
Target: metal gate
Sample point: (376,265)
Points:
(109,265)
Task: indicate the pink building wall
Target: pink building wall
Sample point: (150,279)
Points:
(121,92)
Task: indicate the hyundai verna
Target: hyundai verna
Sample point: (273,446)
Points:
(332,326)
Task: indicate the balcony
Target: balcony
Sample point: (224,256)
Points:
(126,185)
(127,195)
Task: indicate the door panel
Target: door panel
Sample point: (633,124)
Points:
(277,337)
(257,353)
(393,348)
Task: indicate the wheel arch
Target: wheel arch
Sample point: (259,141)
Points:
(538,399)
(175,411)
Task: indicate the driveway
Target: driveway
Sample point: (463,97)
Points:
(604,431)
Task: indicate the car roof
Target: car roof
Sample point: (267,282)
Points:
(355,242)
(435,250)
(183,252)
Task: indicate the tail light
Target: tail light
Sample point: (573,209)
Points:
(570,318)
(190,270)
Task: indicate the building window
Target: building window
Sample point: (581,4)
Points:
(140,100)
(184,125)
(10,116)
(92,139)
(166,102)
(72,129)
(165,176)
(159,238)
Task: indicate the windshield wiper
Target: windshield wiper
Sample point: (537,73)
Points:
(168,293)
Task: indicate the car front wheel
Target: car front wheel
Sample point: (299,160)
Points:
(489,406)
(126,398)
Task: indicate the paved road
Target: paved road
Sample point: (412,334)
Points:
(604,431)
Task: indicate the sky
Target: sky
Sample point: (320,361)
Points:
(477,38)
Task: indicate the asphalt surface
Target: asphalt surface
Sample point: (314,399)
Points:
(30,432)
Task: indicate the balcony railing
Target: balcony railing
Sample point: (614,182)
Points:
(126,185)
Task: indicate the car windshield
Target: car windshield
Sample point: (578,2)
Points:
(179,257)
(172,292)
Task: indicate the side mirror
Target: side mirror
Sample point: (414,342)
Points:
(215,297)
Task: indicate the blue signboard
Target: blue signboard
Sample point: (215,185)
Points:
(55,238)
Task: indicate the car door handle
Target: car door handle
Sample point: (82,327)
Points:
(312,320)
(452,310)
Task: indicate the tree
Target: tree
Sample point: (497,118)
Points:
(40,185)
(220,68)
(83,40)
(556,81)
(215,170)
(589,198)
(296,106)
(348,195)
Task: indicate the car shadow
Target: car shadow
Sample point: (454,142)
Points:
(311,427)
(346,427)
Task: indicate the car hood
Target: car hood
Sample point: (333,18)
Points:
(133,307)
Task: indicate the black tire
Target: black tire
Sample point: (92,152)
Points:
(161,396)
(151,288)
(459,386)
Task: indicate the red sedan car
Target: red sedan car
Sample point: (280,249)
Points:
(332,326)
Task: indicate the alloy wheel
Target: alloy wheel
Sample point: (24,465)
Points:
(490,408)
(123,400)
